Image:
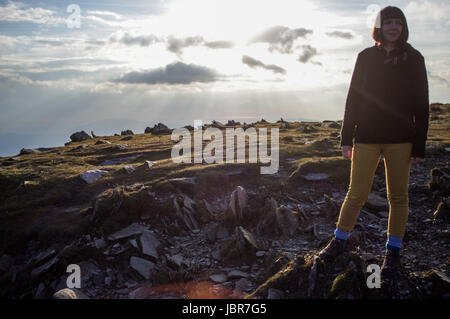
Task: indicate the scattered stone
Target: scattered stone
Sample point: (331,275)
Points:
(260,253)
(331,124)
(238,204)
(129,169)
(245,240)
(185,213)
(316,176)
(287,220)
(121,147)
(100,243)
(147,164)
(177,259)
(119,160)
(144,267)
(42,256)
(237,274)
(243,284)
(185,184)
(131,230)
(218,278)
(149,244)
(376,202)
(45,267)
(102,142)
(273,293)
(93,175)
(89,271)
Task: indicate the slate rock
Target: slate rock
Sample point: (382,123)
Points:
(92,175)
(144,267)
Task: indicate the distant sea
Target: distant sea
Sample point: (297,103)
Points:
(12,142)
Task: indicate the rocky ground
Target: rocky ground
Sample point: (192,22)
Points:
(231,233)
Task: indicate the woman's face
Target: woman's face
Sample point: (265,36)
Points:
(392,29)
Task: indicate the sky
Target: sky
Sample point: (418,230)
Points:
(108,66)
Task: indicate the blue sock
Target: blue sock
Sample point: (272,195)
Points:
(341,235)
(394,244)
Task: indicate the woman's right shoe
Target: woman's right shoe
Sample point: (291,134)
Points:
(334,248)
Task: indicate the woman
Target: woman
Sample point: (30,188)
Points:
(386,113)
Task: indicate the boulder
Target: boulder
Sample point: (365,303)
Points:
(217,124)
(127,132)
(159,128)
(80,136)
(232,123)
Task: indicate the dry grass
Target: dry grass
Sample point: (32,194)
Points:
(34,186)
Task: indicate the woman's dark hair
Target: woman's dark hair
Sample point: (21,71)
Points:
(391,13)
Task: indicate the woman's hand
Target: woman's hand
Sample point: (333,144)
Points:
(347,151)
(415,160)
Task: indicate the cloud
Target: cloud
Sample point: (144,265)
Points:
(128,39)
(19,12)
(308,53)
(173,44)
(340,34)
(104,13)
(437,79)
(428,11)
(219,44)
(175,73)
(281,38)
(176,45)
(253,63)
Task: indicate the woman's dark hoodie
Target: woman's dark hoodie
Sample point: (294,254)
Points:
(388,99)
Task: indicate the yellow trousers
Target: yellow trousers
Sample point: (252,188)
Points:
(365,159)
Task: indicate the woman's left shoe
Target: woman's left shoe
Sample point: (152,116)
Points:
(391,266)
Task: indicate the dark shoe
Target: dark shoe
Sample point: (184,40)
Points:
(391,266)
(333,249)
